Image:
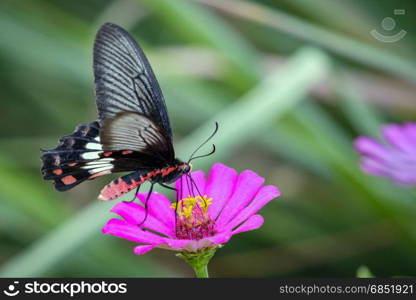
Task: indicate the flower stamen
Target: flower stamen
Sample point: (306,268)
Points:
(193,220)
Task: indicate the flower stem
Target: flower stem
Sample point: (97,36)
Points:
(199,260)
(201,271)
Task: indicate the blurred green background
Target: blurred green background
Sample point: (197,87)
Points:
(291,83)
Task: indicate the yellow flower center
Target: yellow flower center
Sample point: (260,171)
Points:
(186,206)
(193,221)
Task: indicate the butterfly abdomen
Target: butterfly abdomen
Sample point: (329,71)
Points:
(126,183)
(120,186)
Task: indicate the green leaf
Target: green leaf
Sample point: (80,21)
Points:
(364,272)
(199,25)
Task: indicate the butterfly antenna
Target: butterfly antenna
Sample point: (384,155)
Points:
(206,141)
(205,155)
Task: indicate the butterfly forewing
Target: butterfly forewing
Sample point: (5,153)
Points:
(124,79)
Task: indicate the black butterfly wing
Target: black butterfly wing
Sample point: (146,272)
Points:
(124,79)
(80,156)
(133,131)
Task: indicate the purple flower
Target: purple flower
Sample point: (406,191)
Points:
(395,159)
(226,204)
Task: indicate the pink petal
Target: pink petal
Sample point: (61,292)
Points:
(189,245)
(265,195)
(371,166)
(246,187)
(220,238)
(125,230)
(196,245)
(185,188)
(396,135)
(370,147)
(134,213)
(405,178)
(220,186)
(398,171)
(138,250)
(159,207)
(177,244)
(254,222)
(410,131)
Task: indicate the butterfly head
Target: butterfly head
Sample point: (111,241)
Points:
(185,168)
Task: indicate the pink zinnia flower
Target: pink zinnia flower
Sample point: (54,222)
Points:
(395,159)
(227,205)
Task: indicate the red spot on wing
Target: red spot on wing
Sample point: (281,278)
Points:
(72,164)
(67,180)
(124,152)
(107,153)
(57,171)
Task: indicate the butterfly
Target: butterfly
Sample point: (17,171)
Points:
(132,132)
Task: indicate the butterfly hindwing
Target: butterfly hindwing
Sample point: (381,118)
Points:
(65,164)
(83,156)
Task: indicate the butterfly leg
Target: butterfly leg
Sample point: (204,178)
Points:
(135,194)
(193,184)
(145,204)
(168,187)
(177,199)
